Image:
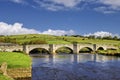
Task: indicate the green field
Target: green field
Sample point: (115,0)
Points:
(50,39)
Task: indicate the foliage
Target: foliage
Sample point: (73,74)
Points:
(108,37)
(2,40)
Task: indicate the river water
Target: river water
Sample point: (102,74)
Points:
(84,66)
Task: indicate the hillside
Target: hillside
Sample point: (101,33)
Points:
(50,39)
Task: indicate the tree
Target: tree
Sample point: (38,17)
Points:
(115,38)
(91,37)
(108,37)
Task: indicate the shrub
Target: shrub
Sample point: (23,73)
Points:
(2,40)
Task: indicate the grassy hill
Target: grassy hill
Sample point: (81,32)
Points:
(50,39)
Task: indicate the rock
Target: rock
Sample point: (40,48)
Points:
(3,68)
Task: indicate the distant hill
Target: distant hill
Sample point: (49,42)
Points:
(51,39)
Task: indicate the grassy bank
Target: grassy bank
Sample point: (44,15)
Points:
(15,61)
(109,52)
(4,77)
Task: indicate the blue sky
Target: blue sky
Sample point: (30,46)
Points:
(77,16)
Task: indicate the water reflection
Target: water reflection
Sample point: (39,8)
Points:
(83,66)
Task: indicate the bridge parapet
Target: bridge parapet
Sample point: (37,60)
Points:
(11,48)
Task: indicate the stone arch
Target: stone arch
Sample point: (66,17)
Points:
(100,48)
(85,50)
(28,48)
(64,49)
(39,51)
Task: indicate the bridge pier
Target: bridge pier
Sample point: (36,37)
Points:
(75,48)
(51,49)
(25,49)
(94,48)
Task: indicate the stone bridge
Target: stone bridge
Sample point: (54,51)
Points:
(10,47)
(51,48)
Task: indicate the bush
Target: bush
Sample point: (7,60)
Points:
(2,40)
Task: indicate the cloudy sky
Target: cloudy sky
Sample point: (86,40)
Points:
(59,17)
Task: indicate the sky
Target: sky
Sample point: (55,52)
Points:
(60,17)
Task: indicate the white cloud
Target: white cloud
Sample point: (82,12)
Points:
(55,5)
(67,3)
(17,1)
(51,6)
(113,3)
(58,32)
(101,34)
(104,6)
(108,6)
(17,28)
(104,10)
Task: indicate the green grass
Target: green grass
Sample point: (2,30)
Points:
(15,60)
(50,39)
(4,77)
(109,52)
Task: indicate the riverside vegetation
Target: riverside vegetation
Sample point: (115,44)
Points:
(19,61)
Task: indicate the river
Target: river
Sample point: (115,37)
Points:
(84,66)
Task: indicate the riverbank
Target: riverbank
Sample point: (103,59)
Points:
(109,52)
(20,73)
(18,66)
